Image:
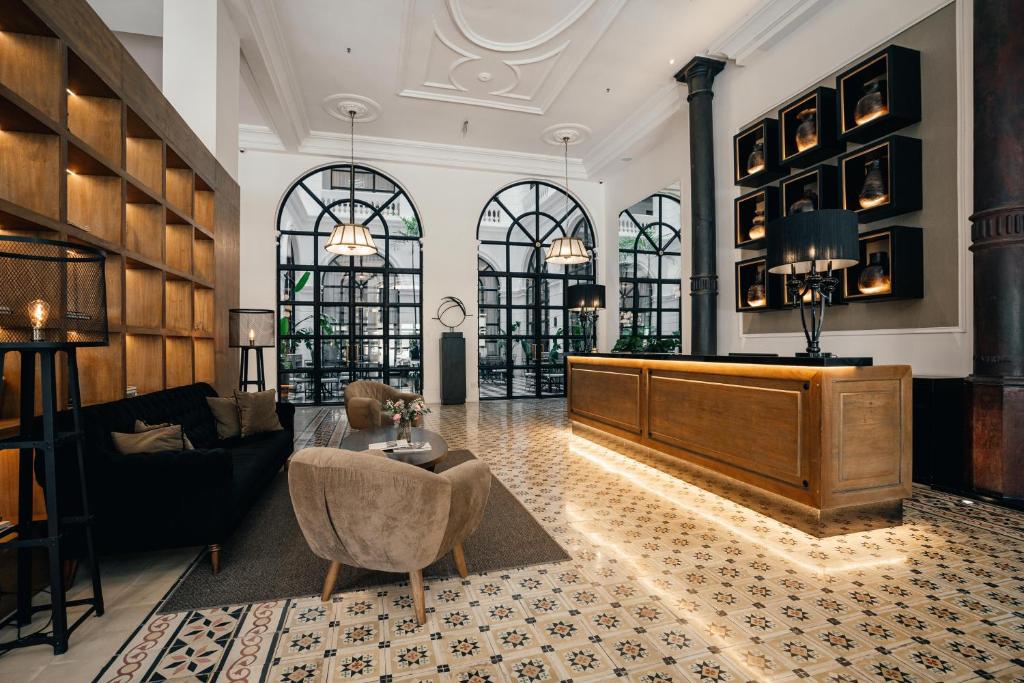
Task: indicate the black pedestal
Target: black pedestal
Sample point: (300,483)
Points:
(940,445)
(243,370)
(453,368)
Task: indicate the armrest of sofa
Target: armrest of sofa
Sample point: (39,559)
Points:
(286,415)
(363,412)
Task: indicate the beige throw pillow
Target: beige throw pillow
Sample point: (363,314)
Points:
(141,426)
(152,441)
(257,412)
(225,410)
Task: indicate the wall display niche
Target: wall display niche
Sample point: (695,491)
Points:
(753,212)
(891,266)
(882,179)
(756,154)
(807,129)
(880,95)
(756,288)
(810,190)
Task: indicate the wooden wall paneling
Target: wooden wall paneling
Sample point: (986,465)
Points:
(9,489)
(203,266)
(178,247)
(609,394)
(205,370)
(101,371)
(97,122)
(143,297)
(178,306)
(32,67)
(226,295)
(114,274)
(145,362)
(30,171)
(179,361)
(204,310)
(145,225)
(94,204)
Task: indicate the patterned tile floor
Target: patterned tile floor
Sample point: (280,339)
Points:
(667,583)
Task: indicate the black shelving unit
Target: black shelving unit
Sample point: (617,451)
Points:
(745,207)
(900,258)
(821,180)
(822,102)
(767,132)
(747,273)
(897,71)
(898,161)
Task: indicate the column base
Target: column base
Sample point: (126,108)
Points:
(996,438)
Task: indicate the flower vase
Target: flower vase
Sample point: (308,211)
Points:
(403,430)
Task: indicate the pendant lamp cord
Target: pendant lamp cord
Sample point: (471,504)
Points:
(565,210)
(352,166)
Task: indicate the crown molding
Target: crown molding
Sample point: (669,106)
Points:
(646,118)
(368,148)
(760,26)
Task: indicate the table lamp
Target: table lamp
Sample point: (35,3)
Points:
(588,299)
(809,247)
(251,329)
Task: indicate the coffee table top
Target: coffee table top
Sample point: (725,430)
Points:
(360,440)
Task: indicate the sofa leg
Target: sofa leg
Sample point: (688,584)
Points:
(416,581)
(330,581)
(215,557)
(460,560)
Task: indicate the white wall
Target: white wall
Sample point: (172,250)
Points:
(449,202)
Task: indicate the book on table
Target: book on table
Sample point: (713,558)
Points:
(401,446)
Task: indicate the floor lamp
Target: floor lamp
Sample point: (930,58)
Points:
(53,298)
(251,330)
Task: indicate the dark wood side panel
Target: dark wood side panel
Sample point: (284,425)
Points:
(607,394)
(226,296)
(757,425)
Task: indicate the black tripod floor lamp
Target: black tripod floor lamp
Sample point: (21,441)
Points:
(251,329)
(52,298)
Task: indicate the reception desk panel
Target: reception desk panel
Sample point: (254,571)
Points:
(831,438)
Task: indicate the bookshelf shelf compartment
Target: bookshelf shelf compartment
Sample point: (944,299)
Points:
(815,187)
(178,247)
(144,297)
(179,361)
(178,305)
(203,299)
(145,362)
(205,360)
(203,266)
(145,229)
(31,66)
(94,204)
(30,171)
(101,371)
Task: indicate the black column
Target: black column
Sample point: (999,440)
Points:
(997,236)
(699,75)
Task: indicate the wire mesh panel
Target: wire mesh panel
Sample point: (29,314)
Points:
(251,327)
(52,293)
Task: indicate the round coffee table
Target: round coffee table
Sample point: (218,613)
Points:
(360,440)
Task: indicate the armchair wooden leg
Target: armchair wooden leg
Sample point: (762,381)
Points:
(215,557)
(416,581)
(330,581)
(460,560)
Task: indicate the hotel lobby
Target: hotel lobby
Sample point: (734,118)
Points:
(456,341)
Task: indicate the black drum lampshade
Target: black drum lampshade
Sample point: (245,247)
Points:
(827,236)
(585,297)
(52,294)
(251,327)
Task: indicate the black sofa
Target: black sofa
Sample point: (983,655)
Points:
(171,499)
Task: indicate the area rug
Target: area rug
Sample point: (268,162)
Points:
(267,557)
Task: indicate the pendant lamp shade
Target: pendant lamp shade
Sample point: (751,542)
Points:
(568,251)
(350,239)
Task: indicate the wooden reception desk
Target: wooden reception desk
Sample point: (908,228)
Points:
(833,434)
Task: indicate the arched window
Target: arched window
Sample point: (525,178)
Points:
(343,318)
(650,268)
(525,327)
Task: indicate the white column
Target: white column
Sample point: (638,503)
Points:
(201,73)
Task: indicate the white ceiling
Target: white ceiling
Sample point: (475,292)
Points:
(506,75)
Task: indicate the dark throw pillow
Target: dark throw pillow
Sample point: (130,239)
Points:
(257,412)
(225,411)
(141,426)
(151,441)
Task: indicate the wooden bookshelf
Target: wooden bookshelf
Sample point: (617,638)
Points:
(91,152)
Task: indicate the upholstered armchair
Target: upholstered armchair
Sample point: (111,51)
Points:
(363,401)
(364,510)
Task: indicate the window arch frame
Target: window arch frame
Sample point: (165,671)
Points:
(546,375)
(657,282)
(353,345)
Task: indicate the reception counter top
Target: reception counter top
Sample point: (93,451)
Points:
(831,438)
(756,359)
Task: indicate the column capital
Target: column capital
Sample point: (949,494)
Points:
(700,67)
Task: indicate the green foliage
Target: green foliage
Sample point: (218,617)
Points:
(412,227)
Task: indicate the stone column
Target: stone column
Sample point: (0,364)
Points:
(699,76)
(997,236)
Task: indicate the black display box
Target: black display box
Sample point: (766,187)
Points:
(743,215)
(767,131)
(898,71)
(747,273)
(899,165)
(823,102)
(821,180)
(900,257)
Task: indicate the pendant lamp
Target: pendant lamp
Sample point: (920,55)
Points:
(351,239)
(567,250)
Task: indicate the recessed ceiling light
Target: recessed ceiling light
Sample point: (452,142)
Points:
(671,62)
(626,159)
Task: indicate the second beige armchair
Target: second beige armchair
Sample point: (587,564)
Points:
(363,401)
(364,510)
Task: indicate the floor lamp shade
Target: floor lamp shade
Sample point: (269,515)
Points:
(822,238)
(51,293)
(585,297)
(251,327)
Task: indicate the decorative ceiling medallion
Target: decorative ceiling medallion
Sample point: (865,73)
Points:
(341,104)
(556,134)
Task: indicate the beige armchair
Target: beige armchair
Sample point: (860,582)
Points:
(363,400)
(364,510)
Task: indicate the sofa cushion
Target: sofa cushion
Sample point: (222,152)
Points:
(225,412)
(257,412)
(156,440)
(255,461)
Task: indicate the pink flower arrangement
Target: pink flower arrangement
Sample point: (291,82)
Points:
(402,411)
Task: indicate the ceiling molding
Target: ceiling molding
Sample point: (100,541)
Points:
(455,9)
(265,51)
(368,148)
(646,118)
(760,26)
